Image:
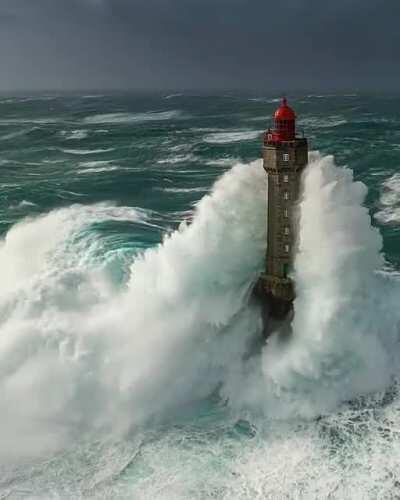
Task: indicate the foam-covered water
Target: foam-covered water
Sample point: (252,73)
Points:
(131,364)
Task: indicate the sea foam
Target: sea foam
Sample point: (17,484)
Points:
(82,357)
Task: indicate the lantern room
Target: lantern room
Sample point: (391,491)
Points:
(284,124)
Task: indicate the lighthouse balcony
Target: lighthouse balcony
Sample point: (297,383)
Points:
(272,139)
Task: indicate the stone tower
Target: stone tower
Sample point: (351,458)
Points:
(285,157)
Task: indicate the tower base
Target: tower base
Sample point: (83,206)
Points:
(277,311)
(277,316)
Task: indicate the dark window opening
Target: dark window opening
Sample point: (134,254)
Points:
(286,270)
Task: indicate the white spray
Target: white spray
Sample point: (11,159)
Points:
(80,357)
(346,323)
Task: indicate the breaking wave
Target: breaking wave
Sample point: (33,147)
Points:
(345,330)
(68,332)
(83,356)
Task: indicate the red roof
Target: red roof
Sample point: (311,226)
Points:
(285,112)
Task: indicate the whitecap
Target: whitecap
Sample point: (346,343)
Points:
(177,159)
(86,151)
(22,121)
(263,118)
(202,189)
(93,170)
(227,137)
(266,99)
(72,135)
(23,204)
(222,162)
(173,96)
(322,122)
(36,98)
(390,201)
(89,167)
(19,133)
(122,118)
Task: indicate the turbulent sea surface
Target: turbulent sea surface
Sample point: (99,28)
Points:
(133,228)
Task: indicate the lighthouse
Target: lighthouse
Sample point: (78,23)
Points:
(285,157)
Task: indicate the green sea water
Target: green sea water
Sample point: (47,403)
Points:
(132,230)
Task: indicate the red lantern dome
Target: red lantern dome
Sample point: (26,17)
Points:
(285,124)
(285,112)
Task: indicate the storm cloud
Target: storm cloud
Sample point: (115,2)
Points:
(199,44)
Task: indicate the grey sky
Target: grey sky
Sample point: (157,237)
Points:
(321,44)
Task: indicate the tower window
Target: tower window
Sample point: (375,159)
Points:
(285,157)
(286,195)
(285,178)
(287,248)
(286,212)
(286,230)
(285,270)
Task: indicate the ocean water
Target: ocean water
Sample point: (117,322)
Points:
(132,231)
